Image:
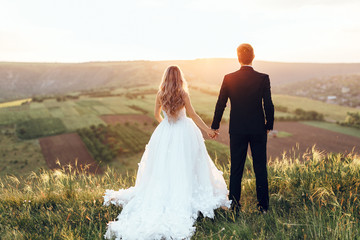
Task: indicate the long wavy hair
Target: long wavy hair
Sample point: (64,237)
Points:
(171,91)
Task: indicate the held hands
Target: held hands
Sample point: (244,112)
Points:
(212,133)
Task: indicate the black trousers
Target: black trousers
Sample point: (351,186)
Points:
(238,151)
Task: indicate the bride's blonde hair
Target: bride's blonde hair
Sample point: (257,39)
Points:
(172,91)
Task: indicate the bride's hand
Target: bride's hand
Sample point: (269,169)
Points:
(211,133)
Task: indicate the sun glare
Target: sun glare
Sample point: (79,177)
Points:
(163,30)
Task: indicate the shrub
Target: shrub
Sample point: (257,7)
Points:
(107,142)
(352,120)
(308,115)
(39,127)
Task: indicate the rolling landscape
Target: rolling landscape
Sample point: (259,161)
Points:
(23,80)
(44,103)
(78,84)
(70,130)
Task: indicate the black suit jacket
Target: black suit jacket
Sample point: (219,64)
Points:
(252,110)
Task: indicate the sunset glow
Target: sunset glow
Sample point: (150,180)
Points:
(94,30)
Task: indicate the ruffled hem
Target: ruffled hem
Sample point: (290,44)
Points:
(176,181)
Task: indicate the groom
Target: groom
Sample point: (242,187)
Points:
(251,119)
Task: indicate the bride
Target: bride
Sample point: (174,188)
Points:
(176,178)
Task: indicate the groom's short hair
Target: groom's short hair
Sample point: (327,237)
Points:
(245,53)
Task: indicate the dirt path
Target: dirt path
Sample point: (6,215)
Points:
(67,147)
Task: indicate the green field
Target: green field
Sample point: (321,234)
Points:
(19,157)
(335,128)
(86,111)
(331,112)
(54,205)
(74,114)
(204,104)
(39,127)
(108,142)
(283,134)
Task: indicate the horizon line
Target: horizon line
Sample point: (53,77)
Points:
(166,60)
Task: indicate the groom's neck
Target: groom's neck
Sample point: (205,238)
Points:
(245,65)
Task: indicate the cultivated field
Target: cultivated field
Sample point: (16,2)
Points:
(305,136)
(136,105)
(293,137)
(301,138)
(67,149)
(144,122)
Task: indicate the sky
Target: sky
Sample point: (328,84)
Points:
(114,30)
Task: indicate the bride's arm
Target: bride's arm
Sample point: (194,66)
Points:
(157,109)
(191,112)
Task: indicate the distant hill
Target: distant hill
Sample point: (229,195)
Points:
(340,89)
(20,80)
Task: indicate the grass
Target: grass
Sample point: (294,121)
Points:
(124,165)
(218,151)
(10,117)
(283,134)
(74,122)
(18,157)
(335,128)
(315,197)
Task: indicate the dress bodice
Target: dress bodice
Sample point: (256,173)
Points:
(181,114)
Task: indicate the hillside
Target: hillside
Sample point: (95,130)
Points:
(315,199)
(24,129)
(339,89)
(22,80)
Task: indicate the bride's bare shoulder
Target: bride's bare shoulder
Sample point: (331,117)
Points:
(186,95)
(158,98)
(187,101)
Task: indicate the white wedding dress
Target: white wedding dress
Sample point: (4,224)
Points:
(176,180)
